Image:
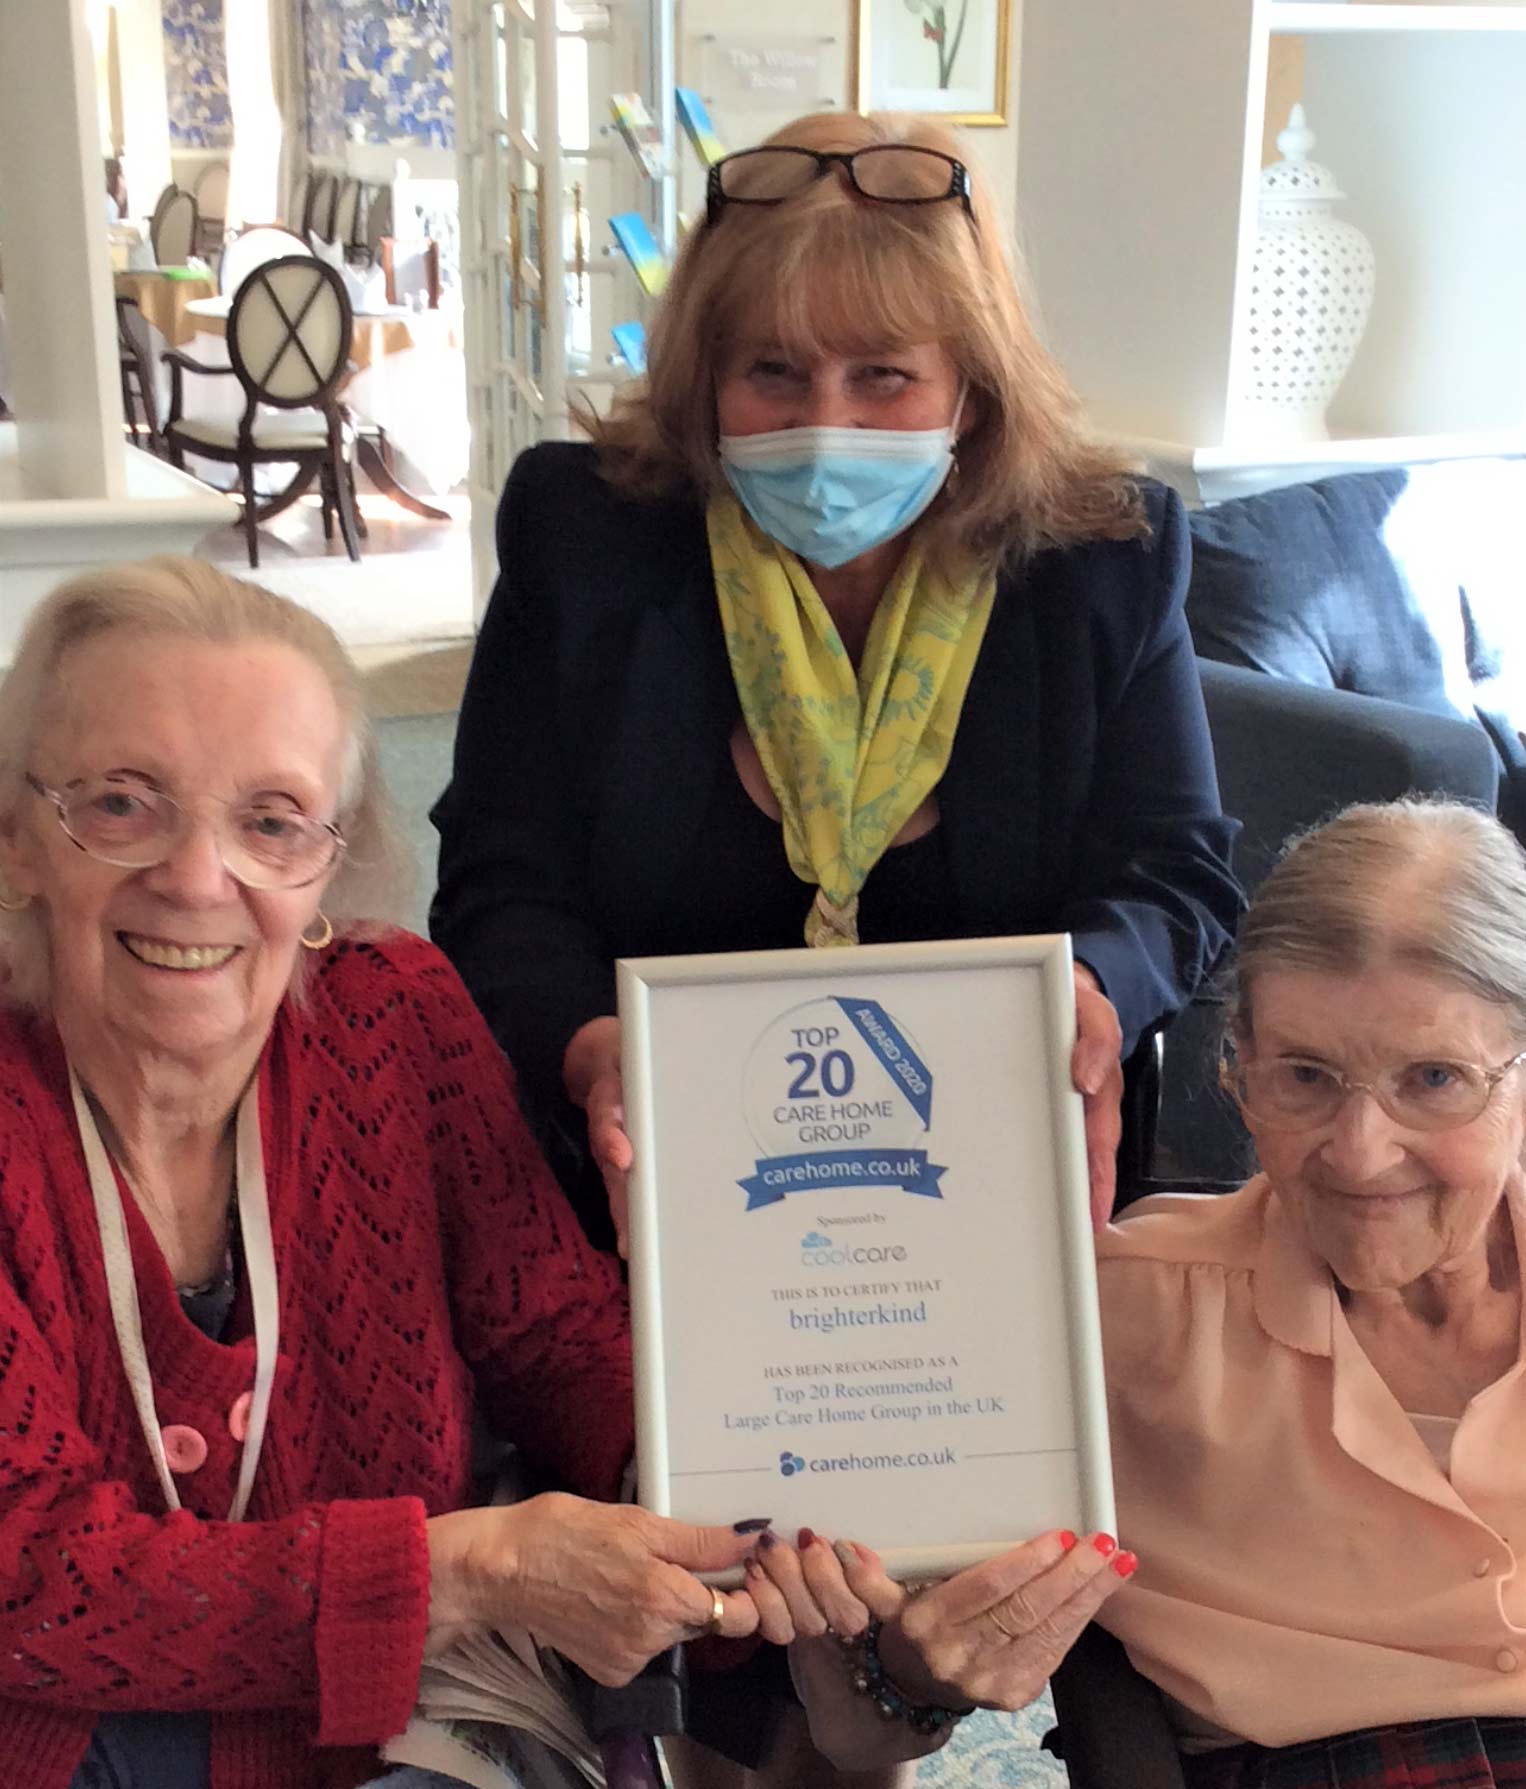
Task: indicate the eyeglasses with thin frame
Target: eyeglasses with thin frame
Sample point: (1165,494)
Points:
(1301,1093)
(133,825)
(888,173)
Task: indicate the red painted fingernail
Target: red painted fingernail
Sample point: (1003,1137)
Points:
(766,1540)
(1067,1540)
(805,1538)
(1126,1564)
(1105,1545)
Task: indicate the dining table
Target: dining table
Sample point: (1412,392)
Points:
(164,300)
(408,378)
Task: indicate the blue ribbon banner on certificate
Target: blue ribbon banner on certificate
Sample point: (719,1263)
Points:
(861,1257)
(857,1087)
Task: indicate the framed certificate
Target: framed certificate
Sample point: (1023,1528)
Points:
(862,1277)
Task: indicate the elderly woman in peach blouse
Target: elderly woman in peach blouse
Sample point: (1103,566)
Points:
(1317,1385)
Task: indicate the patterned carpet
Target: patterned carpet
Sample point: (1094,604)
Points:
(987,1751)
(997,1751)
(415,754)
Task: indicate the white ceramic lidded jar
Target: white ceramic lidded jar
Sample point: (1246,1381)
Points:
(1311,286)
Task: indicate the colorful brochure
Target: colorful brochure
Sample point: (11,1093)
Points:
(642,136)
(635,237)
(630,339)
(697,126)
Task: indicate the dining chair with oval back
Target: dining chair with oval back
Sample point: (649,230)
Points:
(172,235)
(160,204)
(322,197)
(211,192)
(289,334)
(346,211)
(295,213)
(137,375)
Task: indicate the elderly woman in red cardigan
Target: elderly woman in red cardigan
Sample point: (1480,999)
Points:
(271,1228)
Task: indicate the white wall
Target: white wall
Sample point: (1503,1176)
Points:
(741,122)
(188,165)
(376,163)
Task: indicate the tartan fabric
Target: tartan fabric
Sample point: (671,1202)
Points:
(1450,1754)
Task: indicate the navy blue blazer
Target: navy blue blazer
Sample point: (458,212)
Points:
(1080,796)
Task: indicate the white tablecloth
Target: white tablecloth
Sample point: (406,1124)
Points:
(410,379)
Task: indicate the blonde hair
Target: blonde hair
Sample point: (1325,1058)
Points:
(188,599)
(1427,884)
(826,273)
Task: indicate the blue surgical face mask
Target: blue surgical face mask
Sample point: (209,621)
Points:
(831,494)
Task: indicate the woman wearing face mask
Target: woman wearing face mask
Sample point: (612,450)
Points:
(840,630)
(849,520)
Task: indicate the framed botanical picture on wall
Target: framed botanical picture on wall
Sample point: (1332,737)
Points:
(944,56)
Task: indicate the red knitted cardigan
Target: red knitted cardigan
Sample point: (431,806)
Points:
(424,1252)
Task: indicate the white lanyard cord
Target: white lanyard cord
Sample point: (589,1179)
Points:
(122,1286)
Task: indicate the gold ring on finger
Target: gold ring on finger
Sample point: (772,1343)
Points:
(1001,1627)
(717,1613)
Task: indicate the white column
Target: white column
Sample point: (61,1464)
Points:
(58,296)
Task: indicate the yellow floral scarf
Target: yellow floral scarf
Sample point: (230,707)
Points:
(850,756)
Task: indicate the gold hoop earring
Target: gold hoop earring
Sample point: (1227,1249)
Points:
(9,905)
(324,938)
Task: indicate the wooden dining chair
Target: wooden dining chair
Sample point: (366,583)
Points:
(411,270)
(166,194)
(289,335)
(321,198)
(173,234)
(137,375)
(346,212)
(211,193)
(295,215)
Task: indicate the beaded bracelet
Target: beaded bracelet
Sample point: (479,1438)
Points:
(866,1673)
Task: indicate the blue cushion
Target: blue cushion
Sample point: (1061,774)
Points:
(1407,583)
